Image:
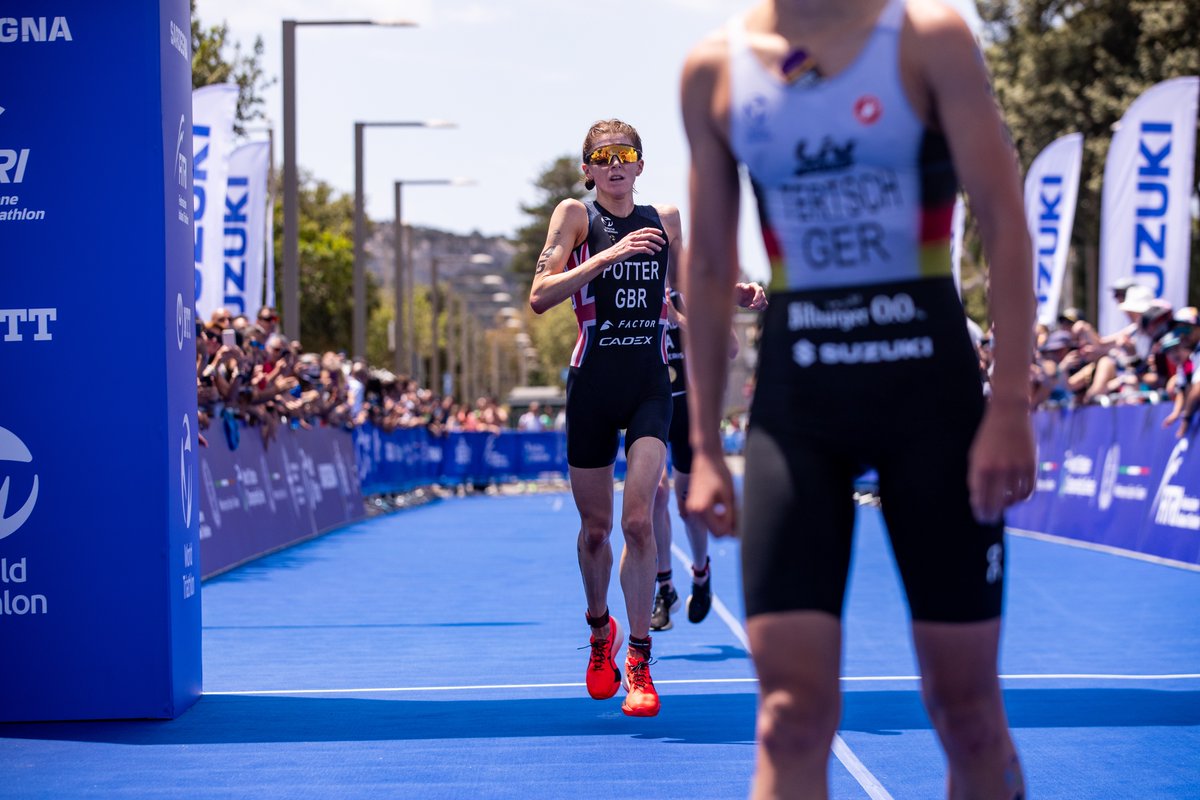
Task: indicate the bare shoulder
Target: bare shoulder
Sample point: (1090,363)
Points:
(668,212)
(707,59)
(709,51)
(570,205)
(939,33)
(941,65)
(934,17)
(568,223)
(571,212)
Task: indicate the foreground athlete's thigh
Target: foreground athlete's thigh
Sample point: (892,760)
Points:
(952,564)
(798,654)
(797,523)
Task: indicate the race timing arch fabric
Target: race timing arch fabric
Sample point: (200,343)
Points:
(99,547)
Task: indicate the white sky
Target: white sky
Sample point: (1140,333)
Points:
(522,79)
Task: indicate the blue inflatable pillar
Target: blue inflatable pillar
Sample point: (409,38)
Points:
(99,549)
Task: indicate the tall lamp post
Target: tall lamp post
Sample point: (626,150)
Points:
(406,353)
(291,173)
(358,326)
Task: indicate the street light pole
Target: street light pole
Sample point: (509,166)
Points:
(290,289)
(435,375)
(358,326)
(465,341)
(398,289)
(405,353)
(291,173)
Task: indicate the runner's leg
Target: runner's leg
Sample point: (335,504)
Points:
(962,694)
(639,560)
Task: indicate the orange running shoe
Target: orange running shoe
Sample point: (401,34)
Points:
(642,700)
(603,676)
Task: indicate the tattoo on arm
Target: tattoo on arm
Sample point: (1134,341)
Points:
(544,260)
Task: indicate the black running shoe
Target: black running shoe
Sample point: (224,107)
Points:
(665,601)
(701,600)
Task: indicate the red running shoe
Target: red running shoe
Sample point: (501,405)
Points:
(603,676)
(642,700)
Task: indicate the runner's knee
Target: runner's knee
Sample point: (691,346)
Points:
(791,724)
(968,724)
(595,529)
(637,529)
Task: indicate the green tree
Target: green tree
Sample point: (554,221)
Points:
(211,63)
(560,180)
(1061,66)
(326,266)
(553,333)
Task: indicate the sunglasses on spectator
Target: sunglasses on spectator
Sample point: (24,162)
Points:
(268,317)
(603,156)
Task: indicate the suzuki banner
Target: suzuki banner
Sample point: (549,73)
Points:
(213,110)
(1051,189)
(958,222)
(99,545)
(1145,225)
(245,228)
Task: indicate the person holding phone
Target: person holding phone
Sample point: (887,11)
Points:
(610,257)
(856,120)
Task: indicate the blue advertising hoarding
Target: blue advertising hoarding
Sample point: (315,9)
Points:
(99,548)
(1116,477)
(259,497)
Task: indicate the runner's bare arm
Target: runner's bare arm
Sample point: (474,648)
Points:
(552,282)
(963,107)
(709,275)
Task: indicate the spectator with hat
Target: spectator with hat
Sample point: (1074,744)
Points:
(1057,371)
(1120,288)
(1187,325)
(1132,360)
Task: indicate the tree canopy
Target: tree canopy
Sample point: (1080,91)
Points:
(213,63)
(1063,66)
(552,333)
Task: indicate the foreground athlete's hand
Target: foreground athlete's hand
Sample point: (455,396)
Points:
(710,494)
(1002,463)
(750,295)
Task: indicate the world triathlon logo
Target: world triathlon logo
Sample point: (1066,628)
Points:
(185,471)
(13,450)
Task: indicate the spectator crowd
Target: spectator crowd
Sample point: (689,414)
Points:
(249,376)
(1152,359)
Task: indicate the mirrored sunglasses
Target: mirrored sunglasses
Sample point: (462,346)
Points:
(625,153)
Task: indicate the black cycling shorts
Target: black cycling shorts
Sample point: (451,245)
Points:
(903,397)
(597,412)
(681,448)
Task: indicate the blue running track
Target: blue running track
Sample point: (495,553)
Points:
(433,654)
